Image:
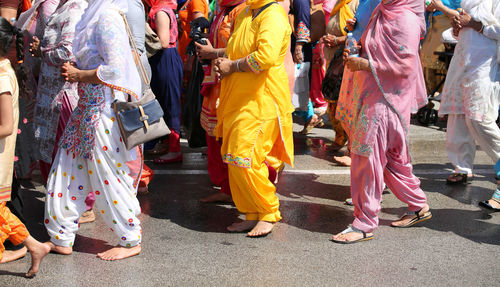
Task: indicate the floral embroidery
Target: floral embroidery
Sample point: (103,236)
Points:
(237,161)
(303,33)
(79,135)
(254,65)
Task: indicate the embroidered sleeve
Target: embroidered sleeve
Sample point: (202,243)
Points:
(303,33)
(270,38)
(302,13)
(60,49)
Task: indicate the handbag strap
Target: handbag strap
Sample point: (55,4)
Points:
(138,61)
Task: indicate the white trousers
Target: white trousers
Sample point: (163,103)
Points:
(462,136)
(112,175)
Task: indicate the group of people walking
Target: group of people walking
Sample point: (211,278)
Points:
(74,58)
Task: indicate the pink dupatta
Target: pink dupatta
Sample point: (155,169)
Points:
(391,43)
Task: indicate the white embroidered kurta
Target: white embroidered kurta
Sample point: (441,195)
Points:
(472,85)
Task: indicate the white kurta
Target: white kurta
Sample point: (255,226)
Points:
(472,85)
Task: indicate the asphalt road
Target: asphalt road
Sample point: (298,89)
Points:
(185,242)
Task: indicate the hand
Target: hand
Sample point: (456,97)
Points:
(357,64)
(298,54)
(70,73)
(346,54)
(35,47)
(462,20)
(205,51)
(351,23)
(330,40)
(222,68)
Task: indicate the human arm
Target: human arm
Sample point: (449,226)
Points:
(356,63)
(332,41)
(464,20)
(61,50)
(162,22)
(438,5)
(35,47)
(72,74)
(301,10)
(208,52)
(6,115)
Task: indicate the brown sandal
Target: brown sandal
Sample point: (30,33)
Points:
(459,178)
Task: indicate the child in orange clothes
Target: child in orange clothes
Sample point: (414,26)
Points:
(10,226)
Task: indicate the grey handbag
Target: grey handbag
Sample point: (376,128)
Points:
(153,44)
(139,121)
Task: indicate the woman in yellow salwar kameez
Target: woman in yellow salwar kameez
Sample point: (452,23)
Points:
(254,113)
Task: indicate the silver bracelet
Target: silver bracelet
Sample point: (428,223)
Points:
(238,66)
(217,53)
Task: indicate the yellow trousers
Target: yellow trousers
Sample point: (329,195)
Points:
(10,228)
(252,192)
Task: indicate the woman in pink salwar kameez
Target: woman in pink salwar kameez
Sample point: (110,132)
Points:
(388,86)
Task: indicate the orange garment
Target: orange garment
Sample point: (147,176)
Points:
(146,176)
(10,228)
(185,17)
(211,92)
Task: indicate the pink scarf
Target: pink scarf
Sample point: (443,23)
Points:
(391,43)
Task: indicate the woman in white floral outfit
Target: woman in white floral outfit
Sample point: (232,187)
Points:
(92,155)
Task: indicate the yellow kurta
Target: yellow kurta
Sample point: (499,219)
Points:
(261,95)
(254,113)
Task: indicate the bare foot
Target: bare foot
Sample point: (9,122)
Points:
(406,219)
(242,226)
(59,249)
(119,252)
(38,251)
(494,203)
(217,197)
(350,236)
(263,228)
(12,255)
(343,160)
(87,217)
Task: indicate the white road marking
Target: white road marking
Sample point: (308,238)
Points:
(323,171)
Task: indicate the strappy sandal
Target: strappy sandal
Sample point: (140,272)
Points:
(352,229)
(459,178)
(416,219)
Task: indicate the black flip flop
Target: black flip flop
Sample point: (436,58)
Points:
(487,205)
(350,230)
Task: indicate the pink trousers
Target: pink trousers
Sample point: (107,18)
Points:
(388,163)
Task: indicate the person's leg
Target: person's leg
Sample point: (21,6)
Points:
(398,172)
(367,185)
(16,203)
(67,189)
(114,175)
(218,172)
(487,135)
(170,76)
(460,145)
(13,229)
(253,193)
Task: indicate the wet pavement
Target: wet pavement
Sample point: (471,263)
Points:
(185,242)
